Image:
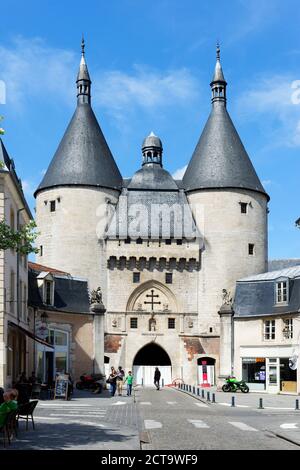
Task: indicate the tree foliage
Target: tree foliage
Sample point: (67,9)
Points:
(22,240)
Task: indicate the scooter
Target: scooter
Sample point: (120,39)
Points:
(232,385)
(89,382)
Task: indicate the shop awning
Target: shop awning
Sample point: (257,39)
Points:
(30,334)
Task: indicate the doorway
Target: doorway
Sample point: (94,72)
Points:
(206,371)
(150,356)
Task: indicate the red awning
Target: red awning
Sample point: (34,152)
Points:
(30,334)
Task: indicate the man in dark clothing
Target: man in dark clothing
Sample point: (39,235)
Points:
(157,375)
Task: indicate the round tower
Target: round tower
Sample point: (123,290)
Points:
(230,206)
(81,181)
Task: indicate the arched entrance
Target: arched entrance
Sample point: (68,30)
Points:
(206,371)
(150,356)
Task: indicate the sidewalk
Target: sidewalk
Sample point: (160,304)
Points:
(88,421)
(249,400)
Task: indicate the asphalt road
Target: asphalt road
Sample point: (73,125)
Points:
(173,420)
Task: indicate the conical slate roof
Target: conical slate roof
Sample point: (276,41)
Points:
(83,156)
(220,159)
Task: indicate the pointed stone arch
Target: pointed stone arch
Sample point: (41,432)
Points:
(157,286)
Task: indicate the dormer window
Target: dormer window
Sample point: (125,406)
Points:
(282,292)
(46,286)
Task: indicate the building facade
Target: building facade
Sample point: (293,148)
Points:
(14,319)
(267,331)
(161,250)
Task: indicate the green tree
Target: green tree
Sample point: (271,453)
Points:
(21,240)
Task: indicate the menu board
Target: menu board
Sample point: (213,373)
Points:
(61,386)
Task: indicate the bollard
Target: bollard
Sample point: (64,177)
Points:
(198,391)
(260,406)
(202,393)
(190,388)
(232,401)
(214,398)
(194,391)
(297,405)
(142,381)
(162,383)
(208,396)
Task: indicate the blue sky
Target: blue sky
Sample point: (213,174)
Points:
(151,64)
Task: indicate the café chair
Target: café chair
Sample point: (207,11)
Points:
(9,427)
(26,411)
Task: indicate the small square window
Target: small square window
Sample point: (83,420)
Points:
(171,323)
(52,206)
(139,241)
(133,322)
(251,249)
(244,207)
(136,277)
(169,278)
(179,242)
(127,240)
(168,241)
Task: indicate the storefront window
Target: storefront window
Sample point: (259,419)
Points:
(254,371)
(61,362)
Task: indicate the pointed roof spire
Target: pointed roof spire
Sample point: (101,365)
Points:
(83,78)
(83,157)
(218,72)
(220,159)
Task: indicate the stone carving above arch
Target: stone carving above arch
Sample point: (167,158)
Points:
(152,296)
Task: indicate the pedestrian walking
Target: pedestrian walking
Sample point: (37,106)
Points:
(120,380)
(157,376)
(112,379)
(129,380)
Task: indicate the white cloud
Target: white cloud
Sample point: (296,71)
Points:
(178,174)
(29,67)
(144,88)
(275,98)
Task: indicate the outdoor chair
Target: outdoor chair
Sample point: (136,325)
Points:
(26,411)
(9,427)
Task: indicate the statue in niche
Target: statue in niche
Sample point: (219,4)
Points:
(114,323)
(139,306)
(165,307)
(190,323)
(152,323)
(226,296)
(96,296)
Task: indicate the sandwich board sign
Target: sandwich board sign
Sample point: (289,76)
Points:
(61,386)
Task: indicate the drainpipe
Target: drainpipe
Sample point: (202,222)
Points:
(18,267)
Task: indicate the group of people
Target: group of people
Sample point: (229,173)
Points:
(117,379)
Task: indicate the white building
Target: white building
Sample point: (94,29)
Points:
(14,321)
(161,250)
(267,330)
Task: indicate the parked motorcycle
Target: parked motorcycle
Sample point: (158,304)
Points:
(90,382)
(232,385)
